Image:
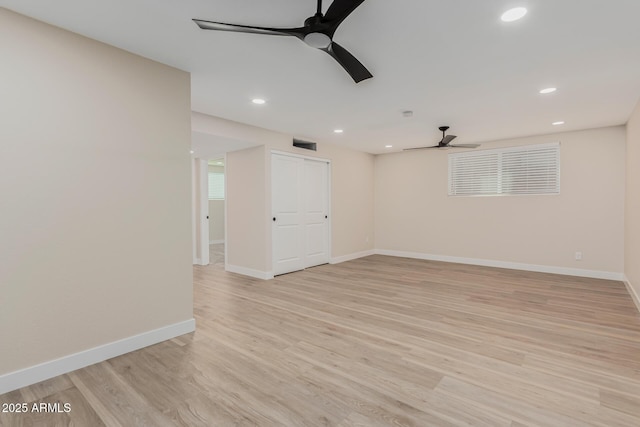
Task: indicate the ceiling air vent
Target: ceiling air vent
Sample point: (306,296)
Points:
(304,144)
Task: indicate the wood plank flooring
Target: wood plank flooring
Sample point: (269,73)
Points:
(377,341)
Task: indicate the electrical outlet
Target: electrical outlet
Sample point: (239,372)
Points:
(578,256)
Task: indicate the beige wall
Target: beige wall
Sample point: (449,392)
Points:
(216,220)
(216,213)
(632,207)
(352,200)
(414,213)
(246,238)
(95,185)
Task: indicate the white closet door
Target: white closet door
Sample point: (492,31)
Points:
(287,231)
(300,223)
(316,213)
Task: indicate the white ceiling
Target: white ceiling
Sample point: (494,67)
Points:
(453,62)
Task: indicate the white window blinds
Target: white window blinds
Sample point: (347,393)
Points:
(531,169)
(216,185)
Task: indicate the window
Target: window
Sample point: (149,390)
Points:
(216,185)
(531,169)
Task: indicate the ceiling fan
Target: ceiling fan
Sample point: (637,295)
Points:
(317,32)
(444,143)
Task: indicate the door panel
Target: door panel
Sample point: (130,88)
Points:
(286,178)
(287,243)
(316,243)
(316,213)
(287,229)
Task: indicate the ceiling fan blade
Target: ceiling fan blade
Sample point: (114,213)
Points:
(465,146)
(356,70)
(421,148)
(339,10)
(220,26)
(447,139)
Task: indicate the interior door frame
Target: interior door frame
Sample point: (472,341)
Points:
(329,198)
(202,214)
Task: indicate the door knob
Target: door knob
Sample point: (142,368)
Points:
(274,218)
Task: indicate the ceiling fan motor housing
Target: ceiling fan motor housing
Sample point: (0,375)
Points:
(313,21)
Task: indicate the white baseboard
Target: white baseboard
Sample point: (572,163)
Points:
(609,275)
(215,242)
(44,371)
(632,291)
(350,257)
(196,261)
(264,275)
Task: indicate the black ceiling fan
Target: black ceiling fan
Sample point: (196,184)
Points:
(444,143)
(317,32)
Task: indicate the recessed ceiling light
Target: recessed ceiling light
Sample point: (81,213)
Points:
(388,146)
(557,123)
(338,131)
(548,90)
(191,151)
(513,14)
(258,101)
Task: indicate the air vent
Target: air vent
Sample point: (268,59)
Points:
(304,144)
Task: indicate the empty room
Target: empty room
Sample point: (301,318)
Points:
(320,213)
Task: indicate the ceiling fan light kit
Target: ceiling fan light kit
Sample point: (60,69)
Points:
(317,32)
(317,40)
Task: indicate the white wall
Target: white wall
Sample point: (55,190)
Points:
(632,206)
(95,185)
(414,214)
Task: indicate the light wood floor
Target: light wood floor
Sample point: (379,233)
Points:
(374,342)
